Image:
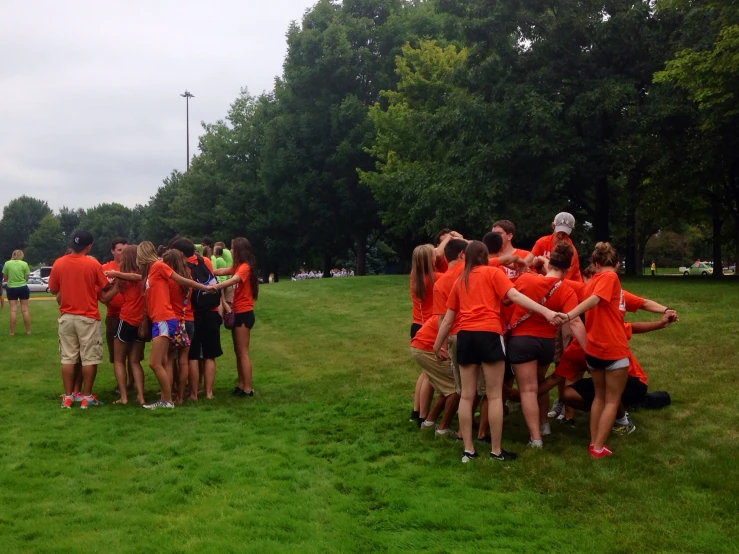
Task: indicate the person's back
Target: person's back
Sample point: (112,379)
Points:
(78,278)
(16,272)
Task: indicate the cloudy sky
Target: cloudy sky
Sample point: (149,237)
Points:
(90,110)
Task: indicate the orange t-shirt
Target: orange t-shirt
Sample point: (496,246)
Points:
(441,265)
(116,303)
(442,289)
(478,303)
(537,287)
(493,262)
(132,311)
(426,335)
(422,309)
(178,301)
(78,278)
(514,274)
(243,300)
(544,247)
(189,316)
(158,302)
(604,323)
(632,303)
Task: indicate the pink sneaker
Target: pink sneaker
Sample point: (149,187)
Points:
(88,401)
(77,396)
(605,451)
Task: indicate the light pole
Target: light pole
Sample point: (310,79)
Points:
(187,95)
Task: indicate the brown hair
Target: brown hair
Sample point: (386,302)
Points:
(145,256)
(588,272)
(422,267)
(128,264)
(604,255)
(562,256)
(506,225)
(475,254)
(242,253)
(176,260)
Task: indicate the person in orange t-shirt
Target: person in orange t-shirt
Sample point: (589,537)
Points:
(127,342)
(607,350)
(506,229)
(155,276)
(474,303)
(114,304)
(531,342)
(246,290)
(78,280)
(562,226)
(179,296)
(422,304)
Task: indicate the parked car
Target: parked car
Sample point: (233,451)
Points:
(698,268)
(42,272)
(36,284)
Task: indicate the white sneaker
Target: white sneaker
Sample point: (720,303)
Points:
(558,409)
(159,404)
(545,429)
(536,443)
(425,424)
(448,432)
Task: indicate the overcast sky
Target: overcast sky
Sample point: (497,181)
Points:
(90,110)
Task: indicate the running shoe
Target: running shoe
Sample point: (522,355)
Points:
(545,429)
(568,422)
(605,451)
(237,391)
(558,409)
(77,396)
(88,401)
(624,429)
(67,402)
(467,456)
(425,424)
(243,394)
(414,416)
(536,443)
(504,456)
(448,432)
(159,404)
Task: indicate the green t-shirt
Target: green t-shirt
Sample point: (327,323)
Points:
(219,263)
(16,271)
(227,257)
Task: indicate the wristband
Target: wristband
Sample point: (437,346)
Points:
(666,310)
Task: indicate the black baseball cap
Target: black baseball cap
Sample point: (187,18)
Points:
(81,240)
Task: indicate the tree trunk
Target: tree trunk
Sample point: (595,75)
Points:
(361,262)
(601,226)
(718,271)
(276,271)
(327,259)
(633,262)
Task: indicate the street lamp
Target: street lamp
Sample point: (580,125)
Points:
(187,95)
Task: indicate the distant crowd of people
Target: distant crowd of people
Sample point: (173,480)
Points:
(313,274)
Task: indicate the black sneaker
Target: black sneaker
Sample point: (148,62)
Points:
(485,440)
(569,422)
(244,394)
(504,456)
(467,456)
(415,416)
(238,391)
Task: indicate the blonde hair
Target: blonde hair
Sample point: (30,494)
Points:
(17,255)
(604,255)
(146,255)
(422,267)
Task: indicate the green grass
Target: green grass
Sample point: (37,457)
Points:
(323,459)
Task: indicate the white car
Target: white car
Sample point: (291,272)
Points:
(698,268)
(36,284)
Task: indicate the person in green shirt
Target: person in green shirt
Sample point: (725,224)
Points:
(15,272)
(226,254)
(219,262)
(223,255)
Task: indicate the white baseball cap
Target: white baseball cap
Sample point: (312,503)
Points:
(564,222)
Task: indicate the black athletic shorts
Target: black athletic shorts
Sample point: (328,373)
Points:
(246,319)
(633,394)
(522,349)
(476,347)
(415,327)
(606,365)
(508,375)
(18,293)
(206,341)
(190,329)
(127,333)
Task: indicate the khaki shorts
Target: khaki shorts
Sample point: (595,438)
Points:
(80,340)
(452,346)
(561,341)
(228,294)
(439,372)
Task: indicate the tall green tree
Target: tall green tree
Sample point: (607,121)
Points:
(107,221)
(47,242)
(21,217)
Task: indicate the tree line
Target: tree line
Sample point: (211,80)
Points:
(394,118)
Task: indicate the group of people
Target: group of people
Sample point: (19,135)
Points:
(175,298)
(303,275)
(487,315)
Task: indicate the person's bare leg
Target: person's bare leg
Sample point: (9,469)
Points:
(427,395)
(171,365)
(88,377)
(435,410)
(135,355)
(528,386)
(120,353)
(68,378)
(77,377)
(468,375)
(157,363)
(241,340)
(416,393)
(13,315)
(615,382)
(26,316)
(194,378)
(183,367)
(494,374)
(451,403)
(599,403)
(210,377)
(573,400)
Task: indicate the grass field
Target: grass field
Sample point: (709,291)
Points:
(323,458)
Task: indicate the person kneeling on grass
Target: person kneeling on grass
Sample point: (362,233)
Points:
(155,276)
(475,299)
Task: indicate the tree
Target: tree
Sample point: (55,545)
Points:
(21,217)
(69,219)
(47,242)
(107,221)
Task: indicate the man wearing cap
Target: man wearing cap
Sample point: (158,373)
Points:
(78,279)
(562,225)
